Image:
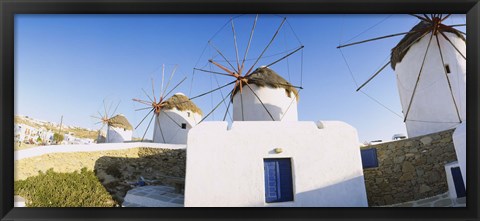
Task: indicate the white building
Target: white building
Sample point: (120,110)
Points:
(438,103)
(119,129)
(276,94)
(273,163)
(176,118)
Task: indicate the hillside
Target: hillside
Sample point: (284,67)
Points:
(77,131)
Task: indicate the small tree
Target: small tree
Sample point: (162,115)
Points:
(57,137)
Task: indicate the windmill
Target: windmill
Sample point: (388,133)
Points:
(174,116)
(429,64)
(118,127)
(259,93)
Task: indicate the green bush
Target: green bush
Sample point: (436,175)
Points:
(52,189)
(58,137)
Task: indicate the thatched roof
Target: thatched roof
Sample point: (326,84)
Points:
(120,121)
(181,103)
(264,76)
(398,51)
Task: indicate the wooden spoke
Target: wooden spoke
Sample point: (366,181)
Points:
(419,17)
(147,95)
(451,43)
(457,25)
(212,90)
(160,128)
(142,101)
(105,108)
(268,45)
(273,119)
(146,115)
(145,108)
(428,19)
(169,80)
(249,41)
(226,112)
(153,92)
(163,78)
(222,67)
(448,80)
(172,119)
(213,72)
(115,110)
(214,108)
(148,127)
(373,76)
(443,19)
(176,86)
(418,78)
(235,43)
(286,56)
(223,56)
(374,39)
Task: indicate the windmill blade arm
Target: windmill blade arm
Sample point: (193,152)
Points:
(286,56)
(373,76)
(213,72)
(215,108)
(176,86)
(273,119)
(208,92)
(374,39)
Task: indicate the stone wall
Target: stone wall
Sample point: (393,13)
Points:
(410,169)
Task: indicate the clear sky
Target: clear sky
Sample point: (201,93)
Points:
(68,64)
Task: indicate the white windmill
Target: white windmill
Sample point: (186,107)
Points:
(174,116)
(430,67)
(118,127)
(259,93)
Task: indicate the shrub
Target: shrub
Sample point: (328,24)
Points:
(57,138)
(52,189)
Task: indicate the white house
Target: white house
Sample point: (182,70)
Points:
(177,116)
(439,100)
(283,163)
(278,96)
(119,129)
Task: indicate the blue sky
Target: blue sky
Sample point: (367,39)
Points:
(68,64)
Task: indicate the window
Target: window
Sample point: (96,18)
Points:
(184,126)
(278,180)
(369,158)
(188,114)
(447,69)
(458,182)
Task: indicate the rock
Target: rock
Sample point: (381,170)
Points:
(424,188)
(399,159)
(407,167)
(426,140)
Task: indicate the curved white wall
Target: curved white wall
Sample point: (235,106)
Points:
(432,109)
(172,132)
(226,167)
(280,106)
(118,135)
(459,137)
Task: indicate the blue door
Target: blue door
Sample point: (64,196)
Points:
(458,182)
(278,180)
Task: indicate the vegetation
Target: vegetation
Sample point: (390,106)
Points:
(57,138)
(52,189)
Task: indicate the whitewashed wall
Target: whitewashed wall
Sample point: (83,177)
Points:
(280,106)
(460,144)
(118,135)
(225,167)
(172,131)
(433,100)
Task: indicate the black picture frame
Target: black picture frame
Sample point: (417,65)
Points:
(8,9)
